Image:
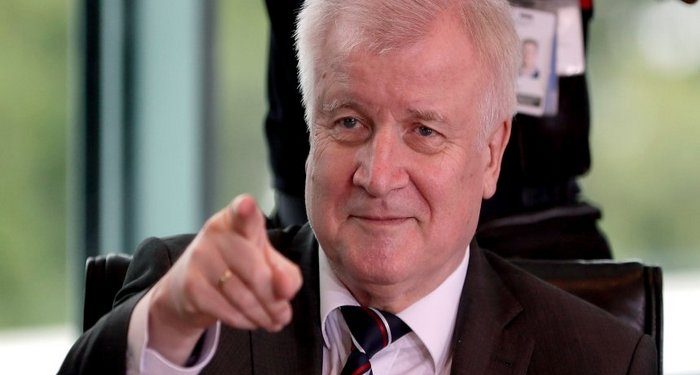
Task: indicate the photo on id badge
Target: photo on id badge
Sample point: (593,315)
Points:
(536,30)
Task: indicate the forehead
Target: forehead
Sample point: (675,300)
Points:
(437,70)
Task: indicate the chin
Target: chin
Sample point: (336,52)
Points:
(377,266)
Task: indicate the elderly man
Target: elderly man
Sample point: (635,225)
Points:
(409,105)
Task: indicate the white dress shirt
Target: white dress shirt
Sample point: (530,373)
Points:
(424,350)
(140,359)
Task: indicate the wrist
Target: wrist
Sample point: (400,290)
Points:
(169,334)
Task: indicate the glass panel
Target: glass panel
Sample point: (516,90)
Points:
(33,119)
(240,156)
(644,69)
(35,303)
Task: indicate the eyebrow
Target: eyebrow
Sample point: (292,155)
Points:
(427,115)
(336,104)
(421,114)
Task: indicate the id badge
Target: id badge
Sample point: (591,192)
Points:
(537,77)
(570,52)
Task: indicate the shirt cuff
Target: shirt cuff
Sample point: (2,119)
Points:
(140,359)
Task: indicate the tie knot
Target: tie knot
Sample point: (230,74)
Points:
(372,329)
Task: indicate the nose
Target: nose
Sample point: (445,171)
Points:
(381,164)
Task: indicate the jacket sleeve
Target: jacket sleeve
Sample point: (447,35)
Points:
(644,358)
(102,349)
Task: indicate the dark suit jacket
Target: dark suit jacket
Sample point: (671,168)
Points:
(508,322)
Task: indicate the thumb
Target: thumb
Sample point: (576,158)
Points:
(247,220)
(286,276)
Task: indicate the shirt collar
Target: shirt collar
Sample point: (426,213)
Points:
(433,329)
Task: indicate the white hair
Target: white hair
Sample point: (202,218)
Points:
(382,25)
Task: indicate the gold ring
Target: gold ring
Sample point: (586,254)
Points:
(224,278)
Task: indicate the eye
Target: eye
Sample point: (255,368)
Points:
(348,122)
(425,131)
(425,139)
(349,129)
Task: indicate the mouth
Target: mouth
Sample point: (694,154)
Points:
(380,220)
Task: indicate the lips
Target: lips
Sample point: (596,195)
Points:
(378,213)
(380,220)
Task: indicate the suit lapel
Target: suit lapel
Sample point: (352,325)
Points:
(282,353)
(483,343)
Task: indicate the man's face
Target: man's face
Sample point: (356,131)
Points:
(397,171)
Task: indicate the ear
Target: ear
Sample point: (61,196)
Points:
(307,163)
(496,143)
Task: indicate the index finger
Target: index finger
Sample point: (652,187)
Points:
(247,220)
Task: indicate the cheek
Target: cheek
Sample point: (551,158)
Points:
(328,176)
(454,190)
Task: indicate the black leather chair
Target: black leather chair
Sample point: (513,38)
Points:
(104,276)
(630,291)
(561,232)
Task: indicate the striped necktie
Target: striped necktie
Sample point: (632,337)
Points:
(371,330)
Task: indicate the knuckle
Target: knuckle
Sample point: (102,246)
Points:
(245,300)
(189,286)
(197,249)
(191,308)
(296,274)
(285,314)
(193,304)
(240,321)
(279,308)
(212,225)
(261,276)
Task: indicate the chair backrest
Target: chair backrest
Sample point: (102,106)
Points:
(630,291)
(104,276)
(562,232)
